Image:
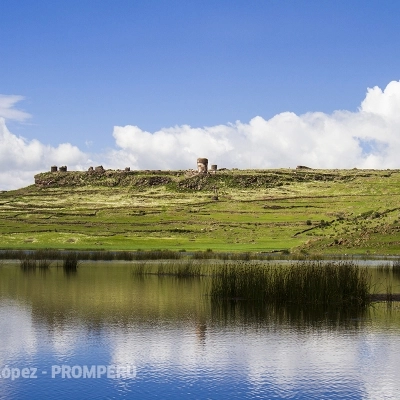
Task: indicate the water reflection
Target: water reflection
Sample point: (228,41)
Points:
(297,317)
(100,295)
(185,344)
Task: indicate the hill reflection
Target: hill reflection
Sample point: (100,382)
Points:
(101,295)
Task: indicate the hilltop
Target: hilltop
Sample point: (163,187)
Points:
(191,180)
(302,210)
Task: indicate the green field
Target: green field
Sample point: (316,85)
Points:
(296,211)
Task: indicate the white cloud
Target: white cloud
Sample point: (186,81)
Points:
(21,159)
(7,109)
(367,138)
(384,103)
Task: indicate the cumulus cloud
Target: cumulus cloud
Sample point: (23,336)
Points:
(20,159)
(367,138)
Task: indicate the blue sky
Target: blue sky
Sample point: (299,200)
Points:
(85,67)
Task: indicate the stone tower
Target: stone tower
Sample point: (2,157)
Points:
(202,165)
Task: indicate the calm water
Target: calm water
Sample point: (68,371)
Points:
(170,342)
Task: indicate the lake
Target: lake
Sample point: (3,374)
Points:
(105,333)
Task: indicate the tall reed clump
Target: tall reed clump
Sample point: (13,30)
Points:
(27,264)
(396,267)
(139,269)
(385,268)
(308,283)
(187,269)
(156,255)
(210,255)
(70,262)
(179,269)
(29,261)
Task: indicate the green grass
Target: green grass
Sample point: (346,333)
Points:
(257,211)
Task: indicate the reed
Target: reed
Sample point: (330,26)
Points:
(303,283)
(139,269)
(43,264)
(244,256)
(187,269)
(44,258)
(389,293)
(203,255)
(133,255)
(34,255)
(93,255)
(181,270)
(124,255)
(210,255)
(70,262)
(28,264)
(297,316)
(386,268)
(157,255)
(29,261)
(396,268)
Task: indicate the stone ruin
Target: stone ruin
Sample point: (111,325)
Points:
(303,167)
(202,165)
(99,169)
(54,168)
(202,168)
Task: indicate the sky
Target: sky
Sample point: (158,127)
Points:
(156,84)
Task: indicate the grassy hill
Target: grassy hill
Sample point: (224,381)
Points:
(308,211)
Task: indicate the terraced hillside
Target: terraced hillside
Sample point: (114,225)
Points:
(315,211)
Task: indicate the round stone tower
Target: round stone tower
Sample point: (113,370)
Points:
(202,165)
